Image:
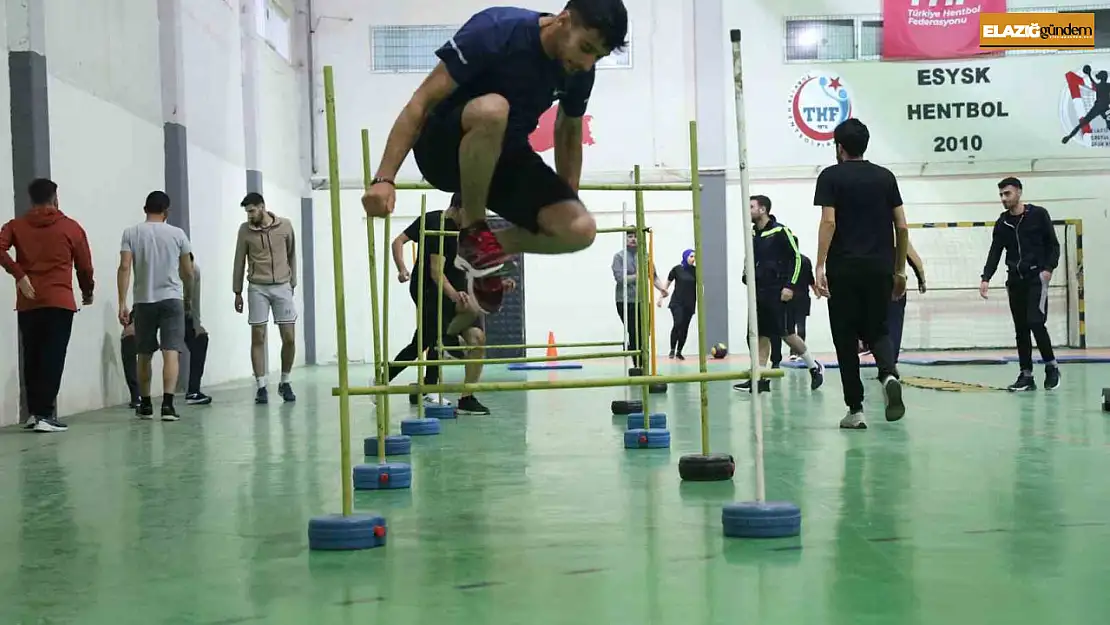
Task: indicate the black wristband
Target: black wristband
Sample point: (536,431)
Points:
(385,180)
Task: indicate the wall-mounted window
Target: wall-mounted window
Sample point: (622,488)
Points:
(411,49)
(273,25)
(860,38)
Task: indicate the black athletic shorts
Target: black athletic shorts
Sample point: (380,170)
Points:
(775,318)
(522,184)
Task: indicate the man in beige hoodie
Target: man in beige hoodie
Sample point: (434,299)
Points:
(267,248)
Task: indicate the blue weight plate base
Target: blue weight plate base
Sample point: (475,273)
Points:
(440,411)
(387,476)
(527,366)
(768,519)
(420,427)
(335,532)
(647,439)
(394,446)
(657,421)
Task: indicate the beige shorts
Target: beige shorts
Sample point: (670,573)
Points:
(264,299)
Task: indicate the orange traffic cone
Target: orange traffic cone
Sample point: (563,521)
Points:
(552,352)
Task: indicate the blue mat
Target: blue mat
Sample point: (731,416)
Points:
(1068,359)
(921,362)
(539,366)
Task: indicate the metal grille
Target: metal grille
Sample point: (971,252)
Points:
(411,49)
(820,39)
(399,49)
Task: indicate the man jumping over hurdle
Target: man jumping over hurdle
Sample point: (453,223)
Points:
(468,125)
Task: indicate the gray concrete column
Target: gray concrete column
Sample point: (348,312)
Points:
(307,256)
(175,139)
(713,132)
(30,116)
(30,110)
(249,18)
(172,64)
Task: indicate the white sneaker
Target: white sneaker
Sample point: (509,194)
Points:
(437,399)
(892,393)
(853,421)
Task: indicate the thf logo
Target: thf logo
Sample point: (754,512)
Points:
(935,3)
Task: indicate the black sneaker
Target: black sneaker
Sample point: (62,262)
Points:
(286,391)
(471,405)
(1051,378)
(746,386)
(145,410)
(169,413)
(261,396)
(50,424)
(1024,382)
(197,399)
(816,377)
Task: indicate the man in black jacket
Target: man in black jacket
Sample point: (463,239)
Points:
(1026,232)
(778,275)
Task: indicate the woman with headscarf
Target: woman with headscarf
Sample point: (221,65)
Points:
(683,302)
(624,272)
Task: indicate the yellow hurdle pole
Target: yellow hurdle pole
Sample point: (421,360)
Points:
(513,359)
(651,307)
(554,385)
(379,360)
(644,282)
(439,303)
(385,331)
(423,186)
(540,345)
(340,299)
(699,283)
(420,311)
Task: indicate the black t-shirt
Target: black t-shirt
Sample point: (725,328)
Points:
(433,220)
(864,195)
(685,287)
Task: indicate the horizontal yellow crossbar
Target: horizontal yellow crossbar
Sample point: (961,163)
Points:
(423,186)
(508,361)
(552,385)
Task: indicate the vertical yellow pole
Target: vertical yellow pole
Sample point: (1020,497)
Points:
(439,302)
(695,183)
(651,307)
(644,277)
(420,309)
(384,399)
(379,372)
(340,299)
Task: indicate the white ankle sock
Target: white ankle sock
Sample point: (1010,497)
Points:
(261,382)
(285,378)
(810,362)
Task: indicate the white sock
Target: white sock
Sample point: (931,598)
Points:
(261,382)
(285,378)
(810,362)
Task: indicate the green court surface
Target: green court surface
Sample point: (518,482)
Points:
(978,508)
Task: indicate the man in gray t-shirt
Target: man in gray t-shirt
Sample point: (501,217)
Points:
(159,254)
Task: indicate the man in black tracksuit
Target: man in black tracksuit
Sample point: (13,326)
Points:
(1026,232)
(778,281)
(862,244)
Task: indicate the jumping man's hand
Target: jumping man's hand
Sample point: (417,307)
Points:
(509,284)
(379,200)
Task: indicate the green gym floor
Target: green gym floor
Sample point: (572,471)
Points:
(978,508)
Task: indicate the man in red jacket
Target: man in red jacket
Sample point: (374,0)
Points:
(47,247)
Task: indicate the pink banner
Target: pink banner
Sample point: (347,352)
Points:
(934,29)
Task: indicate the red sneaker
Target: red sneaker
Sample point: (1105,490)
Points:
(480,254)
(488,293)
